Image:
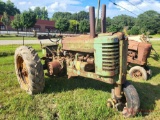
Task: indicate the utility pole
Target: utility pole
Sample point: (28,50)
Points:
(97,15)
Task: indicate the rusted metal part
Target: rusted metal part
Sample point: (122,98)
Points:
(81,43)
(92,21)
(72,72)
(137,74)
(103,19)
(23,73)
(118,91)
(123,48)
(138,52)
(54,67)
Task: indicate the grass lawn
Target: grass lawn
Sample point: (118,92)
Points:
(13,37)
(74,99)
(155,36)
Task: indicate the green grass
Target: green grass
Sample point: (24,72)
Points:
(155,36)
(74,99)
(10,49)
(14,37)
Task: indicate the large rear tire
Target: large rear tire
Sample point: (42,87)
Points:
(29,70)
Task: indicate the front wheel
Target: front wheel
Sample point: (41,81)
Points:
(138,72)
(29,70)
(132,100)
(129,103)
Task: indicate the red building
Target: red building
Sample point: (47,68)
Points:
(44,26)
(40,26)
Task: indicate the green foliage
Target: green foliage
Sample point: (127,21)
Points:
(83,15)
(84,26)
(73,26)
(28,19)
(62,24)
(75,16)
(119,22)
(59,15)
(17,22)
(8,7)
(149,21)
(134,30)
(108,23)
(6,20)
(41,13)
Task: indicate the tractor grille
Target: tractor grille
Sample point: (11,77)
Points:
(110,56)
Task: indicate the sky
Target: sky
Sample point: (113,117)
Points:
(74,6)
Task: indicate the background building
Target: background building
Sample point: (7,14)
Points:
(40,26)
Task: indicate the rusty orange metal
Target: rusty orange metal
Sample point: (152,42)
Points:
(138,52)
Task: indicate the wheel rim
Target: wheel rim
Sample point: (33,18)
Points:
(137,74)
(22,73)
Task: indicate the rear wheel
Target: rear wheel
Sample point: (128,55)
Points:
(29,70)
(138,72)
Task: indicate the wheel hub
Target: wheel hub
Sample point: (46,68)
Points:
(137,74)
(23,73)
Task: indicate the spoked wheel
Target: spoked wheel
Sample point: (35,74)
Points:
(138,72)
(129,103)
(29,70)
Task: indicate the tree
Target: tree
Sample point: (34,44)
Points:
(41,13)
(6,20)
(83,15)
(73,27)
(17,22)
(2,7)
(8,7)
(119,22)
(62,25)
(58,15)
(84,26)
(134,30)
(149,21)
(108,23)
(28,19)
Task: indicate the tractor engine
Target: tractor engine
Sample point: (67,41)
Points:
(82,53)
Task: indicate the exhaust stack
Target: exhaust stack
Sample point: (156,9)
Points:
(103,19)
(92,21)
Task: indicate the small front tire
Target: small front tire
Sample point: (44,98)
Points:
(132,104)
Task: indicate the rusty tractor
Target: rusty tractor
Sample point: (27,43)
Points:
(101,57)
(138,53)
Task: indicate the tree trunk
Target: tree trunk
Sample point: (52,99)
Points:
(7,29)
(17,31)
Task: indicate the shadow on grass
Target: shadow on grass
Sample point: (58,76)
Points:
(59,84)
(155,70)
(148,93)
(155,56)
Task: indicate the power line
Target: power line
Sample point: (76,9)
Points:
(122,7)
(134,5)
(138,8)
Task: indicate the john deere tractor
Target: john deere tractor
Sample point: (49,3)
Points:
(102,57)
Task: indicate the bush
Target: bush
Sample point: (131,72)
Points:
(134,30)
